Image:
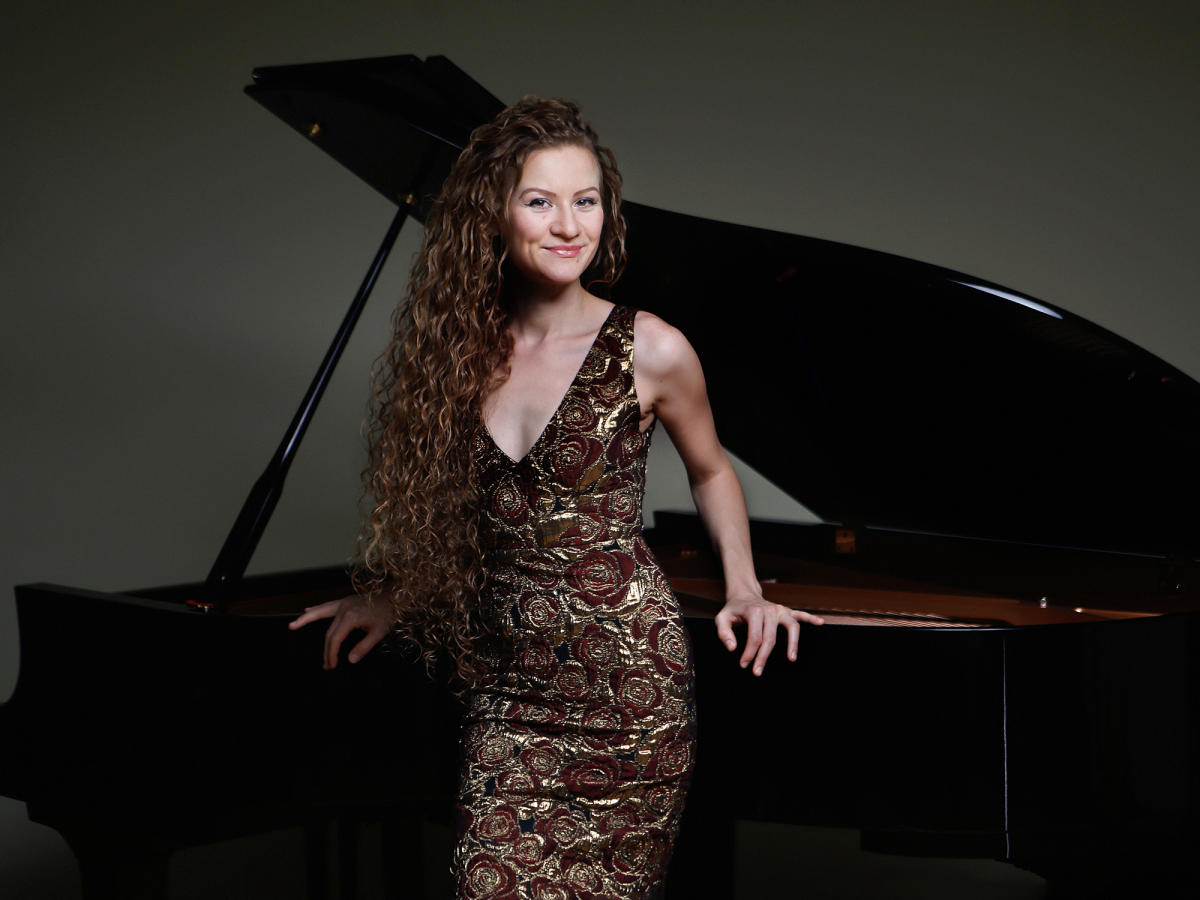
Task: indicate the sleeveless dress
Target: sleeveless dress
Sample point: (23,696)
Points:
(578,741)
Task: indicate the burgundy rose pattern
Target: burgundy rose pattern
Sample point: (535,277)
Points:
(579,743)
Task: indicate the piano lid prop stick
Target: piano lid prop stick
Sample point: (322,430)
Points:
(243,538)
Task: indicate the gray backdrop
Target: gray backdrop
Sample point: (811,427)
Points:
(174,259)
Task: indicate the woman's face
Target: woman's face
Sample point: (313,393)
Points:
(554,218)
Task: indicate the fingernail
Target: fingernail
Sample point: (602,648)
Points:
(758,670)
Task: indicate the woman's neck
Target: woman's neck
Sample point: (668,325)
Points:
(543,310)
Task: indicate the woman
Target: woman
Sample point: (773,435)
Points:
(507,472)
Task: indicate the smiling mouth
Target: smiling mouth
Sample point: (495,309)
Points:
(566,251)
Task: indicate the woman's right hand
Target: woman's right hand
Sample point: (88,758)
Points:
(349,614)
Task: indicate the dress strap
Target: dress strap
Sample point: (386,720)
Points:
(620,323)
(622,320)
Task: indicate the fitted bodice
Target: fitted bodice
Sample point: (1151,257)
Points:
(583,479)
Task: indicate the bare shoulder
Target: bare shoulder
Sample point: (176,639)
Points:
(660,348)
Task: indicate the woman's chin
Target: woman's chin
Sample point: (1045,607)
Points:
(553,280)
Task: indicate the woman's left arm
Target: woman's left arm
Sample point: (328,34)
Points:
(670,384)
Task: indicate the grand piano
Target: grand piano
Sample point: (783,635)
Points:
(1006,561)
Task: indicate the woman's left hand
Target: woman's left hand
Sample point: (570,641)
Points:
(763,620)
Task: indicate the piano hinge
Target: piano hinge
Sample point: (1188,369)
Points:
(845,540)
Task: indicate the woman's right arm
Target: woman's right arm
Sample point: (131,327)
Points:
(349,614)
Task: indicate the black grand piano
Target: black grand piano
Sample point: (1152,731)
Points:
(1007,563)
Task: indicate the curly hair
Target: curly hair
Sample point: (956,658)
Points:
(419,544)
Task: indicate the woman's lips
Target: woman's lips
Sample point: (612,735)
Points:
(566,251)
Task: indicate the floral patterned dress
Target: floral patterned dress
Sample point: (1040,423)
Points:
(578,743)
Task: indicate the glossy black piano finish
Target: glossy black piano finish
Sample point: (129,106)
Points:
(1067,745)
(893,393)
(987,464)
(140,726)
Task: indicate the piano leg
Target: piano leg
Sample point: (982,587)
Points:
(113,868)
(402,836)
(112,871)
(348,829)
(316,859)
(703,862)
(404,875)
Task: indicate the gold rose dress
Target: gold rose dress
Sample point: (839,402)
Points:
(579,740)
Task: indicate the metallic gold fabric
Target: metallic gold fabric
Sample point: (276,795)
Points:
(578,744)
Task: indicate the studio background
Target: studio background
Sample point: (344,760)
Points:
(175,260)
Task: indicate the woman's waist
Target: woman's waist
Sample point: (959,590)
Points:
(567,535)
(602,565)
(643,676)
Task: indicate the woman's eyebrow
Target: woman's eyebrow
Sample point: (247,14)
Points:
(538,190)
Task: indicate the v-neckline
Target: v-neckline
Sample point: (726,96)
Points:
(566,394)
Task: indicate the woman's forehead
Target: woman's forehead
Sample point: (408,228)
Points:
(568,162)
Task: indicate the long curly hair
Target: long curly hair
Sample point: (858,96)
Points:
(419,544)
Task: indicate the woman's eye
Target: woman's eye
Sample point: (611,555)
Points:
(538,203)
(587,201)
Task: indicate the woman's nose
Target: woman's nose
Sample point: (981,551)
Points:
(564,223)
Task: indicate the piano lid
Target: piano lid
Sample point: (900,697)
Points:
(891,393)
(876,390)
(396,122)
